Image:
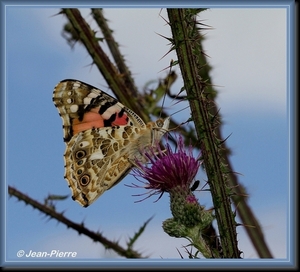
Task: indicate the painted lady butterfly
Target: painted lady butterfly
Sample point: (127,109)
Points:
(102,136)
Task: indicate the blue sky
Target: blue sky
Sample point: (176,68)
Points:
(248,53)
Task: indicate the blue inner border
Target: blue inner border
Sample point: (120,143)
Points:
(161,263)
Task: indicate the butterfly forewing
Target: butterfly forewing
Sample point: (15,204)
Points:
(102,138)
(83,106)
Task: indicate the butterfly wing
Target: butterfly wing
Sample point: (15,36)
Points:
(82,106)
(96,160)
(102,138)
(97,131)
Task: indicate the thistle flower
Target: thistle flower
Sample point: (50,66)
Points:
(174,172)
(169,170)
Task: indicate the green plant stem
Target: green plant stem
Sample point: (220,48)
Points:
(185,35)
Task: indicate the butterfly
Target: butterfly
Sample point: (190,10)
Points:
(103,138)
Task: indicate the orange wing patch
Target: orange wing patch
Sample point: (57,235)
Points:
(90,120)
(93,119)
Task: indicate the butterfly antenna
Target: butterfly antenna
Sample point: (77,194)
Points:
(167,88)
(187,121)
(179,110)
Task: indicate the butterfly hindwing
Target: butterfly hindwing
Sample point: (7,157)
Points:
(94,162)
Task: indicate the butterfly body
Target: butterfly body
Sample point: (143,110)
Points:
(102,138)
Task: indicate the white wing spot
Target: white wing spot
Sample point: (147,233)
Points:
(93,94)
(69,100)
(74,108)
(84,144)
(97,155)
(76,85)
(87,100)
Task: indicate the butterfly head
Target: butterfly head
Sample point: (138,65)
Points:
(160,127)
(163,123)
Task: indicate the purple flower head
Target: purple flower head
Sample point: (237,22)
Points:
(168,170)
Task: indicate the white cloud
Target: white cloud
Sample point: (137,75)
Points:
(247,49)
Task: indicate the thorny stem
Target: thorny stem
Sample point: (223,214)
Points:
(97,237)
(185,37)
(238,191)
